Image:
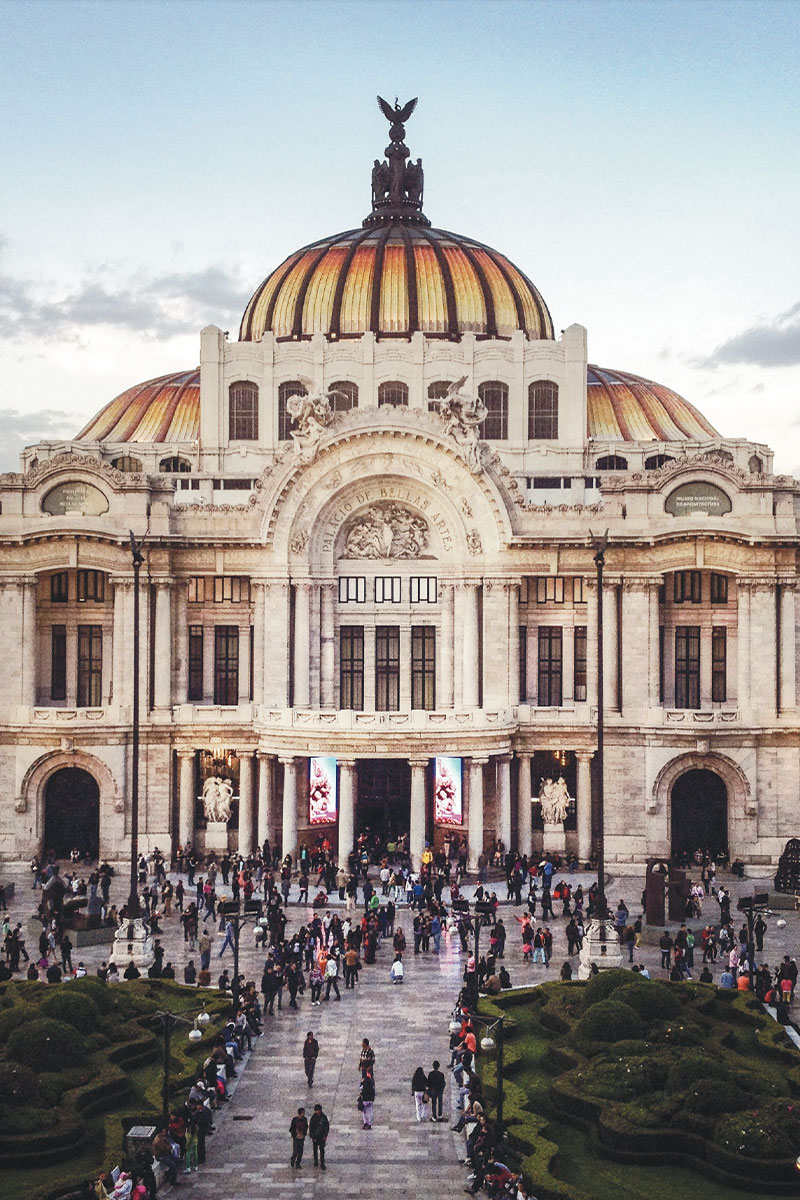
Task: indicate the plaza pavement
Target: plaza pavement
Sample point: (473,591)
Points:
(407,1026)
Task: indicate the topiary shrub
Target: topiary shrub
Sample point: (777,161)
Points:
(80,1011)
(52,1087)
(28,1120)
(102,993)
(678,1032)
(18,1084)
(10,1018)
(623,1078)
(771,1132)
(710,1097)
(601,986)
(689,1068)
(609,1021)
(653,1001)
(52,1045)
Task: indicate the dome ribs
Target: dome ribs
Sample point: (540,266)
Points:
(375,298)
(188,380)
(336,311)
(486,289)
(411,275)
(297,323)
(447,279)
(624,400)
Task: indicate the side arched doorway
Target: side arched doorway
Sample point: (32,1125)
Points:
(699,809)
(71,813)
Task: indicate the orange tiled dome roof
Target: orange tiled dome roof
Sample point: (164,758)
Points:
(626,408)
(166,409)
(394,280)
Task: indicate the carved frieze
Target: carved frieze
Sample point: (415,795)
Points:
(387,530)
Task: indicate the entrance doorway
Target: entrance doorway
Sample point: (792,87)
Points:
(384,798)
(699,815)
(71,813)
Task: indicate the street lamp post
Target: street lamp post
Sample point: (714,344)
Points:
(238,919)
(497,1026)
(600,561)
(133,897)
(168,1021)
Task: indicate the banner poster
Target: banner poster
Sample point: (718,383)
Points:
(322,791)
(447,806)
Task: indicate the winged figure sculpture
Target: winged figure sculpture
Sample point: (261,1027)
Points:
(397,115)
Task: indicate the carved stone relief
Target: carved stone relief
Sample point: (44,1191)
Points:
(387,530)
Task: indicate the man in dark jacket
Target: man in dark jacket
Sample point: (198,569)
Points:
(298,1130)
(436,1082)
(319,1127)
(310,1054)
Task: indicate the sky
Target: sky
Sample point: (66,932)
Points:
(638,160)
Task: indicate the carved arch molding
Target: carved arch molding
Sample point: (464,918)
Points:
(732,775)
(31,793)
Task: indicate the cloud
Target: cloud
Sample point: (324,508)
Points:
(156,307)
(773,345)
(20,429)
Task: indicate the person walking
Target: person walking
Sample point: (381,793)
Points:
(331,977)
(436,1085)
(310,1055)
(319,1128)
(367,1098)
(298,1130)
(366,1059)
(419,1090)
(228,941)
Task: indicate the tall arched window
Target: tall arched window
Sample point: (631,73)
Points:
(126,462)
(657,460)
(174,465)
(542,410)
(291,387)
(495,396)
(243,411)
(394,393)
(437,391)
(345,397)
(612,462)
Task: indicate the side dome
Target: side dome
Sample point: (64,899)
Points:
(166,409)
(626,408)
(394,280)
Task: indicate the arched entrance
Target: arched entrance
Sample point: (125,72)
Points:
(384,798)
(699,806)
(71,813)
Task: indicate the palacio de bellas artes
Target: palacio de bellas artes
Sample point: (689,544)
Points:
(371,527)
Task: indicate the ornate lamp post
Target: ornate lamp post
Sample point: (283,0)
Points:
(494,1026)
(168,1021)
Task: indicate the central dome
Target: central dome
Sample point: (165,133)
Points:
(394,280)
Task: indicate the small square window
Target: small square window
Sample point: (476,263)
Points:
(352,589)
(197,589)
(424,589)
(387,589)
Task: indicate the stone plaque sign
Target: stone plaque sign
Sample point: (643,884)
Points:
(75,496)
(697,497)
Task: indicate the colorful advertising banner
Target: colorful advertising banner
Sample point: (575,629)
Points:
(322,791)
(447,806)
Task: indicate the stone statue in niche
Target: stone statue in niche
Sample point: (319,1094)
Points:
(387,530)
(311,415)
(217,798)
(463,415)
(555,799)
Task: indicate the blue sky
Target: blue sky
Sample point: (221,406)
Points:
(637,160)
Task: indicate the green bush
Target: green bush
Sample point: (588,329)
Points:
(678,1032)
(52,1087)
(17,1084)
(601,986)
(623,1078)
(28,1120)
(609,1021)
(52,1045)
(10,1018)
(771,1132)
(102,993)
(689,1068)
(78,1010)
(653,1001)
(710,1097)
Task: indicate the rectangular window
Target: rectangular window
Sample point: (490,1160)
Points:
(550,588)
(197,589)
(687,666)
(387,589)
(423,667)
(387,668)
(523,663)
(579,677)
(352,589)
(719,664)
(232,589)
(90,666)
(719,588)
(59,587)
(523,590)
(661,664)
(688,587)
(226,664)
(351,666)
(550,665)
(578,593)
(195,663)
(58,663)
(91,586)
(423,589)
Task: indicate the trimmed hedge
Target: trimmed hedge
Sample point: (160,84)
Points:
(52,1045)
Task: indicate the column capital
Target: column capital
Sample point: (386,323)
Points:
(640,583)
(503,758)
(756,583)
(419,762)
(522,755)
(789,583)
(462,585)
(347,763)
(479,761)
(18,580)
(185,753)
(265,755)
(303,585)
(287,760)
(584,756)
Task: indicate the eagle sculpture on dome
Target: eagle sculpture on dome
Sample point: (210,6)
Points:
(397,115)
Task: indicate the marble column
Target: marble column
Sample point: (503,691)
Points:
(504,799)
(524,822)
(512,608)
(763,648)
(611,698)
(162,684)
(186,800)
(584,799)
(743,643)
(327,646)
(302,644)
(276,645)
(470,646)
(591,642)
(182,623)
(28,642)
(446,647)
(289,822)
(259,592)
(246,803)
(475,826)
(417,823)
(122,667)
(347,809)
(788,646)
(654,642)
(635,645)
(266,798)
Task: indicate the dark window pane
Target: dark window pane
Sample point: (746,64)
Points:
(423,667)
(495,396)
(291,387)
(243,411)
(579,688)
(523,663)
(226,664)
(542,409)
(59,588)
(550,665)
(195,662)
(387,668)
(90,666)
(344,395)
(58,663)
(394,393)
(719,664)
(687,666)
(351,666)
